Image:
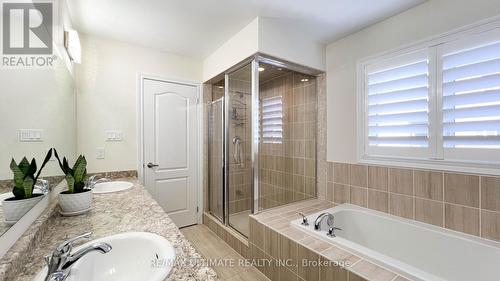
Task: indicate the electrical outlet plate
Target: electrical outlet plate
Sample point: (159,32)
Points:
(114,135)
(100,153)
(30,135)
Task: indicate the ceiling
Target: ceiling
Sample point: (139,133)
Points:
(196,28)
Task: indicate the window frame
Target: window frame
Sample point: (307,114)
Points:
(438,157)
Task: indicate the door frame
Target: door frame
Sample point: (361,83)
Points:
(140,131)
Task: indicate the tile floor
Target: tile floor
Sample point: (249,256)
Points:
(212,247)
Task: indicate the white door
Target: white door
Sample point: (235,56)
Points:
(170,148)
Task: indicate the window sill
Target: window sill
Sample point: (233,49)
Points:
(429,164)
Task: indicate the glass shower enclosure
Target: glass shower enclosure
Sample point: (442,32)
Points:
(261,139)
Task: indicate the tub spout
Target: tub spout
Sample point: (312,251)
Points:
(319,219)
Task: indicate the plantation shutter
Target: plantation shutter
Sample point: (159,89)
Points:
(398,102)
(471,97)
(272,120)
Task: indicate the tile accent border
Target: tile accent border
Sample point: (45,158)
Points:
(468,203)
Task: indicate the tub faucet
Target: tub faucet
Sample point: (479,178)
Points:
(60,262)
(319,219)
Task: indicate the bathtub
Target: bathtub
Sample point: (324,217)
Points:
(415,250)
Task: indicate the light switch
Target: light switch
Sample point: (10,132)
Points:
(30,135)
(114,136)
(100,153)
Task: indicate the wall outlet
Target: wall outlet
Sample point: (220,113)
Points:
(100,153)
(30,135)
(114,135)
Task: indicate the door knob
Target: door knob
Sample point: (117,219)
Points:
(151,165)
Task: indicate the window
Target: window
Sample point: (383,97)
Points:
(439,103)
(272,120)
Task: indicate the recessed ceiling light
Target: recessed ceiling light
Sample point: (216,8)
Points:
(304,80)
(261,68)
(221,87)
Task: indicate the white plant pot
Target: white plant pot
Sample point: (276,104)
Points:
(14,210)
(75,203)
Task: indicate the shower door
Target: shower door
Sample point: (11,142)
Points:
(239,147)
(216,158)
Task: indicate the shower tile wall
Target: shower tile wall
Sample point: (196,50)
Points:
(288,167)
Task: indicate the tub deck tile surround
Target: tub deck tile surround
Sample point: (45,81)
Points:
(131,210)
(297,245)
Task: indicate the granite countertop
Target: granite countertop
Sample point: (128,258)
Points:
(131,210)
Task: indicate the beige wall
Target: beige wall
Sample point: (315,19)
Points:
(107,96)
(429,19)
(239,47)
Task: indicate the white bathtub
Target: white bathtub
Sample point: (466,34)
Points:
(415,250)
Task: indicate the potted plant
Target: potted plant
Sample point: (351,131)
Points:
(24,182)
(77,199)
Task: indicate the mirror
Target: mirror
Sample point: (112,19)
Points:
(37,112)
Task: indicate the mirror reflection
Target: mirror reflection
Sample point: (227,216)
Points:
(38,113)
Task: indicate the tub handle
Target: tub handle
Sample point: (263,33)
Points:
(304,220)
(331,231)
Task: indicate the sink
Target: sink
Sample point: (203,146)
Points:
(135,256)
(111,186)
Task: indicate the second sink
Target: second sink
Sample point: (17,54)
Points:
(111,186)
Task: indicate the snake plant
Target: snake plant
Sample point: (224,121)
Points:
(76,176)
(24,176)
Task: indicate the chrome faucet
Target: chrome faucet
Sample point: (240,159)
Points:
(92,181)
(319,219)
(60,262)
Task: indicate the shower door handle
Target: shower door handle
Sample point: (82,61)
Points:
(151,165)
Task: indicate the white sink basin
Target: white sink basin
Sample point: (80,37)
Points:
(111,186)
(134,256)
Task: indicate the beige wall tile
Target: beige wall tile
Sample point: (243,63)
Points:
(340,256)
(288,251)
(378,177)
(461,219)
(401,205)
(490,225)
(271,270)
(329,173)
(309,273)
(359,196)
(315,244)
(378,200)
(490,193)
(332,272)
(354,277)
(341,173)
(359,175)
(256,233)
(372,271)
(329,191)
(429,211)
(286,274)
(401,181)
(461,189)
(271,242)
(341,193)
(428,184)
